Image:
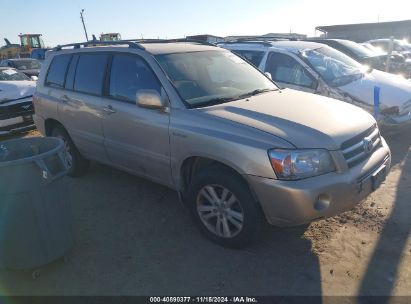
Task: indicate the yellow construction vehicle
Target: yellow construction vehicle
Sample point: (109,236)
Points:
(10,50)
(29,42)
(110,37)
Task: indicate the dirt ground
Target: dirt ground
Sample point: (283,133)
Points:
(134,238)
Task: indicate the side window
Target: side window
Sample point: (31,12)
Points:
(130,74)
(71,73)
(90,73)
(286,69)
(254,57)
(57,71)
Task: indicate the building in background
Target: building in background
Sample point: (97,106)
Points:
(366,31)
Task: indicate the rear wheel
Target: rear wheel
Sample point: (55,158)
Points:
(77,164)
(224,209)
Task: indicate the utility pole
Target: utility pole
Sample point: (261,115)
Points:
(84,25)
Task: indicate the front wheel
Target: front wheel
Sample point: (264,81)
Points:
(224,209)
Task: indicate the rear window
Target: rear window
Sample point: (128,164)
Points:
(254,57)
(57,71)
(90,73)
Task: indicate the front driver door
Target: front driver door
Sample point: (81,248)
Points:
(136,139)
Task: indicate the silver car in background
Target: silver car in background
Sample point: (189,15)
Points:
(201,120)
(317,68)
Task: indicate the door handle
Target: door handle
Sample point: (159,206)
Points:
(109,109)
(64,98)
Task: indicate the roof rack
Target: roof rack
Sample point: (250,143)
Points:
(130,43)
(172,40)
(261,39)
(265,43)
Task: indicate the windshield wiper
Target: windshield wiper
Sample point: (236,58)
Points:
(255,92)
(221,100)
(213,102)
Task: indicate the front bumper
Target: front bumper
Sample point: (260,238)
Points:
(290,203)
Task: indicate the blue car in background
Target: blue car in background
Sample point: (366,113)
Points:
(39,54)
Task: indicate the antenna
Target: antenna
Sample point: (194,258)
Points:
(84,25)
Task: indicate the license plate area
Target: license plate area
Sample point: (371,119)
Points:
(378,177)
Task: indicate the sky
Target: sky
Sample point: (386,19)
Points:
(59,20)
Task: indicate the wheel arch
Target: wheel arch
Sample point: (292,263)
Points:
(194,164)
(50,124)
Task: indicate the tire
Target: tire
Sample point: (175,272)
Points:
(78,165)
(232,220)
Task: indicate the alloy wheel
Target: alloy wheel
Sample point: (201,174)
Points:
(220,211)
(67,152)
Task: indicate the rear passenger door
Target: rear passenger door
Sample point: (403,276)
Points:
(289,73)
(136,139)
(80,90)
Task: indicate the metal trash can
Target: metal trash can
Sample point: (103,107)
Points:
(35,216)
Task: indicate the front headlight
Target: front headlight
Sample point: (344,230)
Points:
(299,164)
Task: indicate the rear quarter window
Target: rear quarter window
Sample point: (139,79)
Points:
(90,73)
(254,57)
(57,71)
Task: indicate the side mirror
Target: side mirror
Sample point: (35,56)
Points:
(150,99)
(268,75)
(34,78)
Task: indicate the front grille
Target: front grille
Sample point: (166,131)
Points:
(17,109)
(360,147)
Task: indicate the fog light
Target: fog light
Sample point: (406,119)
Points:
(322,203)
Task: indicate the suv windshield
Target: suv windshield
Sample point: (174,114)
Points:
(213,77)
(336,68)
(11,75)
(26,64)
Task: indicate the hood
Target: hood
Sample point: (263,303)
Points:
(305,120)
(10,90)
(394,90)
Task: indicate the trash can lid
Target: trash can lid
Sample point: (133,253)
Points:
(22,150)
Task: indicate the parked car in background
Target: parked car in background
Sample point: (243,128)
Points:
(30,67)
(317,68)
(16,107)
(201,120)
(400,55)
(39,54)
(356,52)
(399,46)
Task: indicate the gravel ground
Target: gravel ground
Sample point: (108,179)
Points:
(134,238)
